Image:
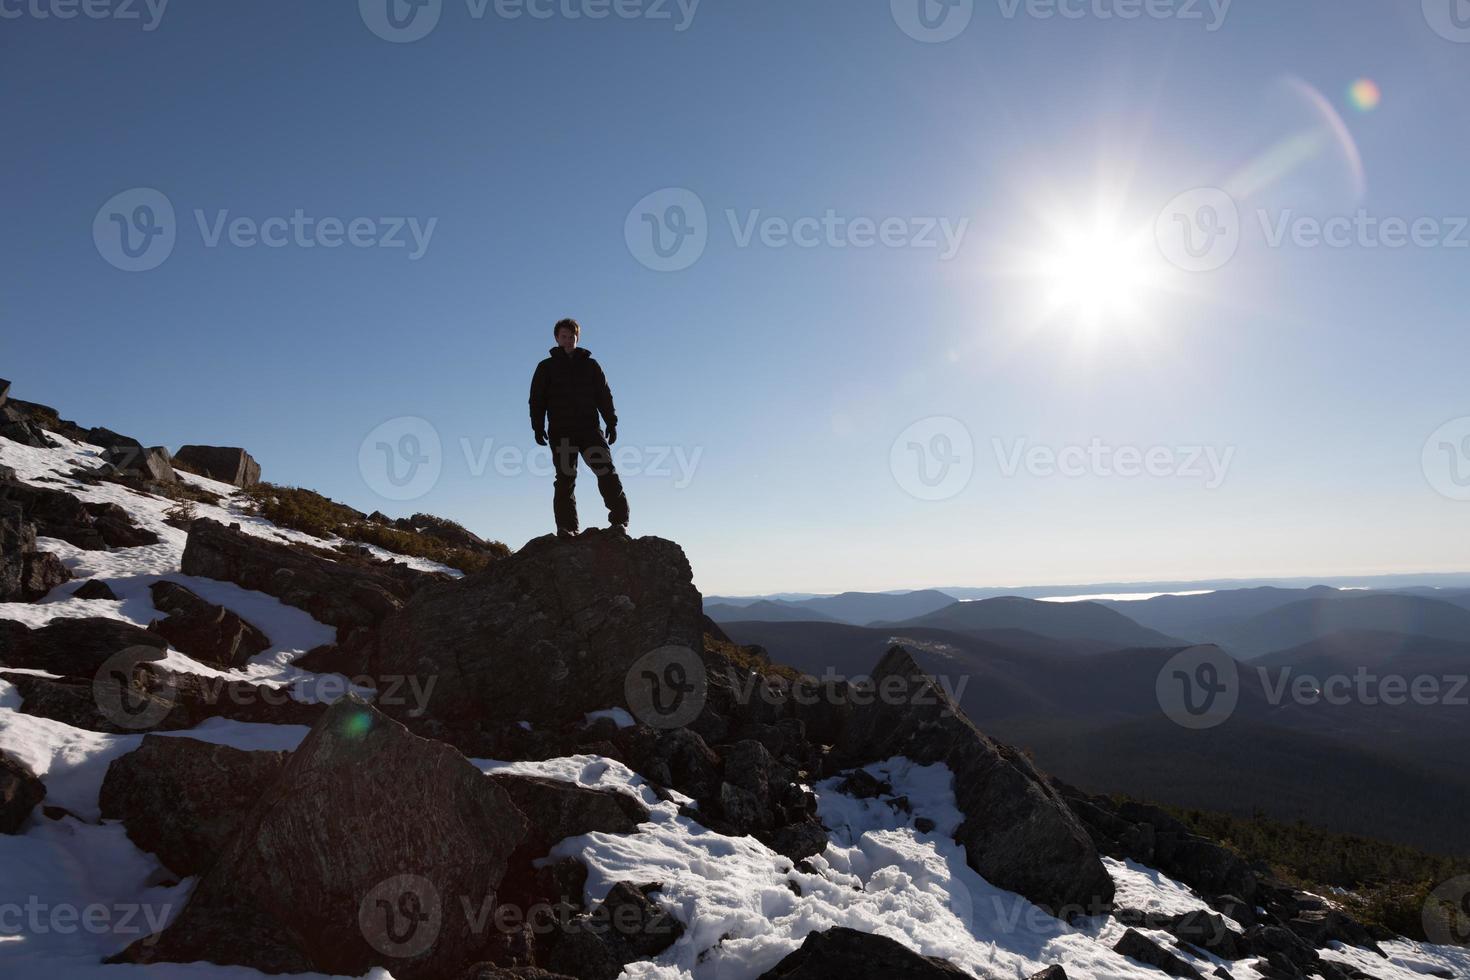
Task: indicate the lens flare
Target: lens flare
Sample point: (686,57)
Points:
(357,725)
(1365,95)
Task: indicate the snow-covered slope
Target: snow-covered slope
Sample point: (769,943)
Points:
(75,890)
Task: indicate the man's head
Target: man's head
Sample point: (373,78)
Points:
(567,332)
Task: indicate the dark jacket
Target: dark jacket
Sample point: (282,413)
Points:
(570,391)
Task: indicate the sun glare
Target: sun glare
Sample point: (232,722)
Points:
(1096,275)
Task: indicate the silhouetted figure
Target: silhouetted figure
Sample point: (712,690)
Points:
(570,391)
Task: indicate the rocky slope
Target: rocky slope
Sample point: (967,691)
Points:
(330,761)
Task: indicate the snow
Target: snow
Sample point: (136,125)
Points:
(76,890)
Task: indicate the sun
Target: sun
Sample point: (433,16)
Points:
(1095,274)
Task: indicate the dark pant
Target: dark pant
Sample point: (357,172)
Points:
(566,449)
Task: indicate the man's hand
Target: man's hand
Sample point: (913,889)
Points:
(540,437)
(612,434)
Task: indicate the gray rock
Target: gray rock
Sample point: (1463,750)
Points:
(183,799)
(1137,946)
(152,463)
(227,464)
(74,647)
(365,852)
(20,791)
(209,633)
(556,809)
(95,589)
(626,926)
(1018,832)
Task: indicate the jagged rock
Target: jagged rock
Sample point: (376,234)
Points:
(340,594)
(227,464)
(489,971)
(560,623)
(1018,832)
(152,463)
(209,633)
(556,809)
(183,799)
(624,927)
(134,695)
(1199,928)
(20,791)
(15,426)
(89,526)
(1320,926)
(365,852)
(1053,972)
(677,758)
(95,589)
(445,530)
(45,417)
(853,955)
(107,439)
(73,647)
(41,572)
(1137,946)
(25,573)
(799,840)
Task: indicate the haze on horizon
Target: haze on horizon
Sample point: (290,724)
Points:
(932,310)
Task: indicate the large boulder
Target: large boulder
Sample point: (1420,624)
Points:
(152,463)
(544,635)
(15,426)
(75,647)
(556,809)
(626,926)
(209,633)
(20,791)
(183,799)
(854,955)
(25,573)
(227,464)
(366,852)
(343,594)
(1136,946)
(44,417)
(1018,832)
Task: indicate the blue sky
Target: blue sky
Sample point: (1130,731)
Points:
(782,405)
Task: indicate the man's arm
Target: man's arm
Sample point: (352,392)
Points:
(538,401)
(605,401)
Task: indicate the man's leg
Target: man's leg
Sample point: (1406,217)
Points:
(564,453)
(599,460)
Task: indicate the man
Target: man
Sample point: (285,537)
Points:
(569,389)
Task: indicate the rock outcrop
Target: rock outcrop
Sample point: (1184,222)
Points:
(624,927)
(348,595)
(367,851)
(209,633)
(151,463)
(1136,946)
(74,647)
(89,526)
(544,635)
(26,574)
(227,464)
(1018,831)
(20,792)
(183,799)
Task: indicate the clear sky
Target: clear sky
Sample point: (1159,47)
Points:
(1021,288)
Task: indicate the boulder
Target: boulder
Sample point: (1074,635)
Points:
(339,593)
(209,633)
(134,695)
(626,926)
(152,463)
(489,971)
(854,955)
(107,439)
(227,464)
(40,573)
(183,799)
(1200,928)
(545,635)
(74,647)
(1136,946)
(45,417)
(556,809)
(20,791)
(366,852)
(95,589)
(15,426)
(1018,832)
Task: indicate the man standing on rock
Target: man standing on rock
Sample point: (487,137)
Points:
(570,390)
